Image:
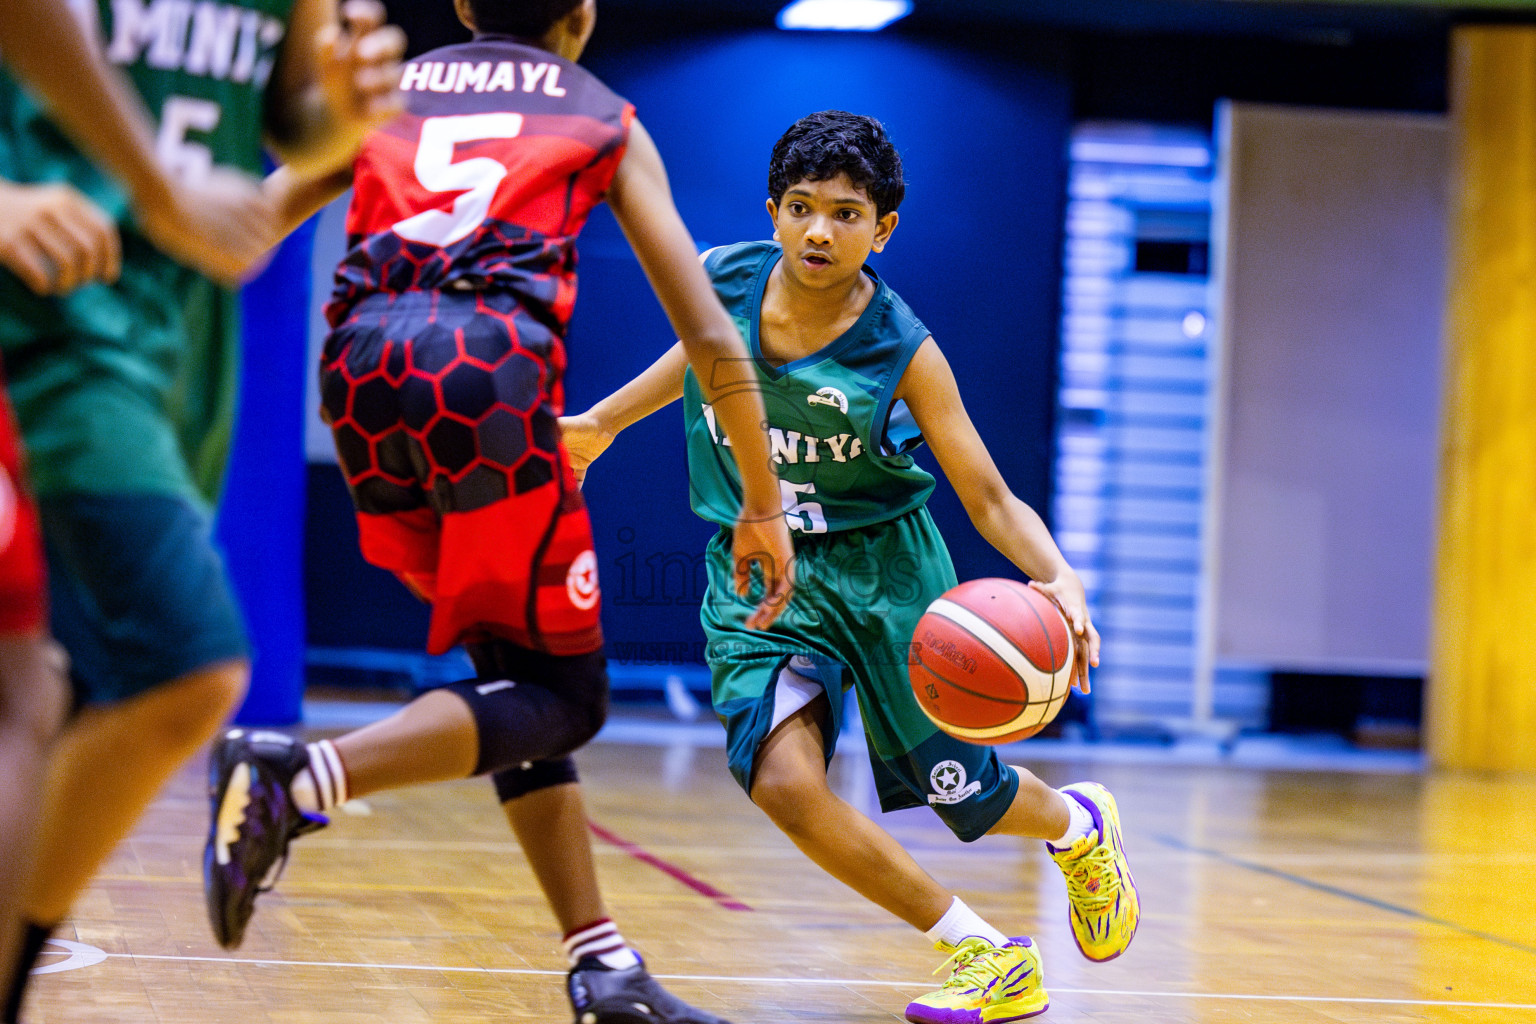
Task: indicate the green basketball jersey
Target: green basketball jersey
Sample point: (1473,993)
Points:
(840,441)
(130,387)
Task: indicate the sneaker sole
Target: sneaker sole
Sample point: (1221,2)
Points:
(992,1015)
(228,913)
(1111,814)
(1015,1013)
(624,1013)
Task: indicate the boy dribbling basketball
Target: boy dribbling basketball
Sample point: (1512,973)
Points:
(852,382)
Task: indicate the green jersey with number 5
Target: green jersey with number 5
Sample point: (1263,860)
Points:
(839,439)
(131,387)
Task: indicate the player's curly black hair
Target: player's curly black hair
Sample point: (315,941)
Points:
(526,19)
(829,142)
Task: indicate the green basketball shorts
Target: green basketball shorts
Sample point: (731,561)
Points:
(858,596)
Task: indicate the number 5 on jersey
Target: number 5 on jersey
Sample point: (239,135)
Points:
(476,177)
(805,516)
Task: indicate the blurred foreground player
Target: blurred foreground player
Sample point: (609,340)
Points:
(220,233)
(120,329)
(442,380)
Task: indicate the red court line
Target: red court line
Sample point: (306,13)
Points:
(638,852)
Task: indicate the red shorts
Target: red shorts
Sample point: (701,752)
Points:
(444,409)
(23,581)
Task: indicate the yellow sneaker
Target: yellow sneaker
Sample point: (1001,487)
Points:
(1105,905)
(990,984)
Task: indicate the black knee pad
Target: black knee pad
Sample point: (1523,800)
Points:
(532,707)
(532,776)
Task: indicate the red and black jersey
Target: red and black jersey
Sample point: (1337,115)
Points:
(486,180)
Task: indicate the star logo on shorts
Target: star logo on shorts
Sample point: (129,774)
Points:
(948,781)
(947,776)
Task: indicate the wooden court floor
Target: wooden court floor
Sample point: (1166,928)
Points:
(1291,897)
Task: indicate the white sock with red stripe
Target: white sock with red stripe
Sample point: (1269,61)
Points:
(601,939)
(323,784)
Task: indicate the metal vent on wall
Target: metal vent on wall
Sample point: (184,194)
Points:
(1132,431)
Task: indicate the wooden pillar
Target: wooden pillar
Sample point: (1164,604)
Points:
(1481,707)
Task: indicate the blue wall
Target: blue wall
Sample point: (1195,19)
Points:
(262,510)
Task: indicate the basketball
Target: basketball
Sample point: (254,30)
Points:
(991,661)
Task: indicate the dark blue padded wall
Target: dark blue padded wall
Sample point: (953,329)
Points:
(262,512)
(976,254)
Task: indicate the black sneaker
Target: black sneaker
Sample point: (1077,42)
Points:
(602,995)
(253,819)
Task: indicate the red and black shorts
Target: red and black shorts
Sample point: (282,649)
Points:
(444,409)
(23,580)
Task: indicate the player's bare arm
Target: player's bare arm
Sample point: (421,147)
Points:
(297,197)
(337,79)
(641,200)
(1011,526)
(587,435)
(51,236)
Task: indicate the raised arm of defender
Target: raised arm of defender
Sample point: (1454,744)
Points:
(641,200)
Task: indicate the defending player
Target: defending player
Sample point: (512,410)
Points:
(852,382)
(121,367)
(219,230)
(442,382)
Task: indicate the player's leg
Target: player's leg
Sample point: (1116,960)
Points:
(607,981)
(992,976)
(1037,810)
(989,972)
(550,823)
(975,794)
(32,700)
(267,789)
(1081,825)
(157,658)
(386,377)
(791,787)
(33,690)
(1080,822)
(108,766)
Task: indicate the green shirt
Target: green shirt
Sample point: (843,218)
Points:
(839,439)
(131,387)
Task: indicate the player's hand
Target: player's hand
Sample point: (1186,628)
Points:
(762,539)
(584,441)
(55,239)
(222,226)
(1066,593)
(358,66)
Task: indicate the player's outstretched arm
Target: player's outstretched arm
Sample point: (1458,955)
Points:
(337,79)
(929,389)
(641,200)
(296,197)
(52,237)
(588,434)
